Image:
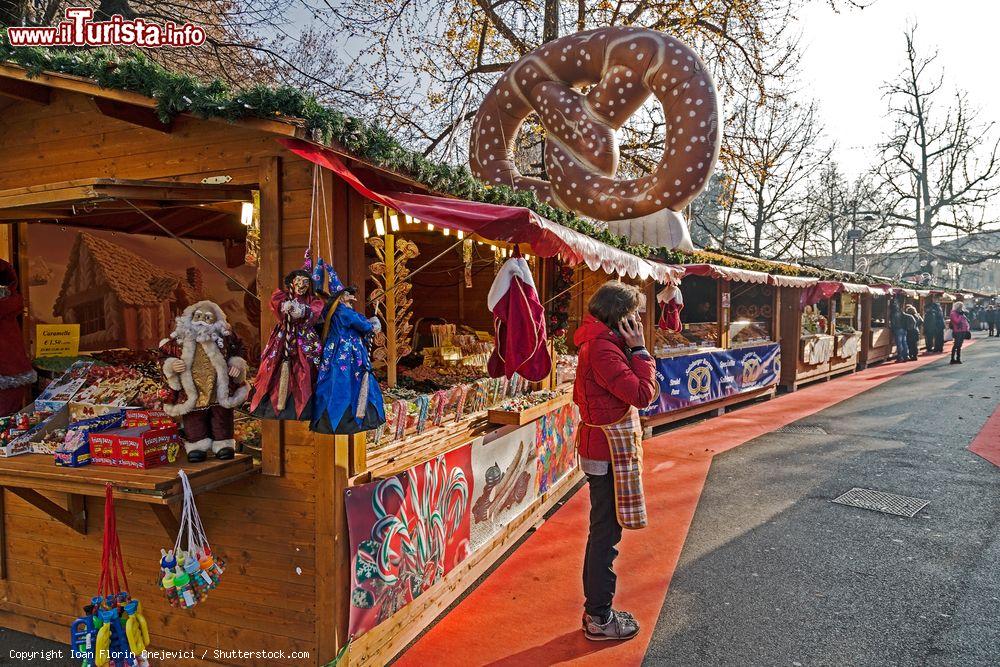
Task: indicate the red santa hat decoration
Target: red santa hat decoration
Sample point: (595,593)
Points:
(671,304)
(518,324)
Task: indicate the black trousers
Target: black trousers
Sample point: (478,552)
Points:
(912,338)
(993,328)
(598,574)
(935,341)
(956,346)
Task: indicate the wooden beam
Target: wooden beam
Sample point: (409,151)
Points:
(268,279)
(166,517)
(133,114)
(289,127)
(25,91)
(3,537)
(75,517)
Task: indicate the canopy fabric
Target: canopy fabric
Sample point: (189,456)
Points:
(823,289)
(726,273)
(880,290)
(510,224)
(793,281)
(855,288)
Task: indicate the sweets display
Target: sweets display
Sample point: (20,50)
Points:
(743,332)
(522,403)
(703,333)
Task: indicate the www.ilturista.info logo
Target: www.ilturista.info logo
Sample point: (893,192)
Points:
(79,29)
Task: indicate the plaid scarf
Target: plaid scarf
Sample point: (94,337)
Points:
(625,441)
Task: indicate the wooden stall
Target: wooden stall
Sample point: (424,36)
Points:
(726,349)
(821,331)
(878,342)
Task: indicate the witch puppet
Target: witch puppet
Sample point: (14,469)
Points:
(204,363)
(283,386)
(348,398)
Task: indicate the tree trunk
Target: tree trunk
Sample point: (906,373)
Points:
(550,24)
(925,247)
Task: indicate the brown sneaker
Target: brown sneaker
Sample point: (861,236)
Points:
(621,626)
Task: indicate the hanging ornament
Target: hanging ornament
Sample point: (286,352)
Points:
(252,253)
(467,259)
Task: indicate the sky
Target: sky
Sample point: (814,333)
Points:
(848,56)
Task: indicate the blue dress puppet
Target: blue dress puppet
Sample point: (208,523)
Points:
(348,398)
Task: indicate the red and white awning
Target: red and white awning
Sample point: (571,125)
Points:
(508,224)
(726,273)
(793,281)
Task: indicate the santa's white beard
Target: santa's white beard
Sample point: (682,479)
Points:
(201,332)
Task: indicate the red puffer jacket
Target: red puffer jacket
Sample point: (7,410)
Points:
(608,381)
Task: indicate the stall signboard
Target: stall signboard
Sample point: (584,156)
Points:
(57,340)
(407,532)
(709,376)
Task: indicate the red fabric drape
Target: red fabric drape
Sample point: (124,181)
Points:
(824,289)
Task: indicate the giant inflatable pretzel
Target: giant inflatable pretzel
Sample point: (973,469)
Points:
(623,66)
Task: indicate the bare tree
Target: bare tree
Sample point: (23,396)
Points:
(939,167)
(776,145)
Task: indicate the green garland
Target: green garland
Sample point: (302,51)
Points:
(177,93)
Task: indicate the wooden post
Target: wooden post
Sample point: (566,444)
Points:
(390,309)
(724,294)
(866,330)
(268,278)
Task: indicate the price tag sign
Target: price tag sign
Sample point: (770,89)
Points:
(725,299)
(57,340)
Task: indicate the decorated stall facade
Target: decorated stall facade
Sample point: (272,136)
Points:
(822,330)
(715,340)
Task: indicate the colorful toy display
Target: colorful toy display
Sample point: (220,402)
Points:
(187,575)
(112,632)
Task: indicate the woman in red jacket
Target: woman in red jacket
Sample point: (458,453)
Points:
(615,376)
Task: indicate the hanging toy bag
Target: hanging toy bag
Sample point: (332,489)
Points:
(189,570)
(112,632)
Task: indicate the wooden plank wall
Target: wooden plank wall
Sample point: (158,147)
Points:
(265,527)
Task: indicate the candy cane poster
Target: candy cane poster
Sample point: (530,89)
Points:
(406,532)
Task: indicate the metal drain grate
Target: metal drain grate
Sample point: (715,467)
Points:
(877,501)
(801,429)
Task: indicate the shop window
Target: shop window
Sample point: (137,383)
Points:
(848,314)
(90,316)
(752,319)
(701,310)
(880,312)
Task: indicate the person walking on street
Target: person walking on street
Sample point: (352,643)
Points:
(934,327)
(897,320)
(960,329)
(615,376)
(991,319)
(913,325)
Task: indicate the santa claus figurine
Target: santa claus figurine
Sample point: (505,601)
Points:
(206,368)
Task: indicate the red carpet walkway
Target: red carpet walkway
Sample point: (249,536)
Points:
(528,611)
(987,443)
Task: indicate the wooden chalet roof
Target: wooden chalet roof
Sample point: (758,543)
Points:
(132,279)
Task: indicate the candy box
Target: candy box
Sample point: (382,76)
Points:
(136,447)
(75,448)
(149,418)
(60,392)
(19,431)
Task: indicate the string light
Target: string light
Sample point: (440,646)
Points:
(445,231)
(430,227)
(409,220)
(246,214)
(461,235)
(366,228)
(379,225)
(394,221)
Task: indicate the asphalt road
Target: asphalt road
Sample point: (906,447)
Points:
(773,573)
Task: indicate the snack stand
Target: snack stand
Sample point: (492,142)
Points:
(726,351)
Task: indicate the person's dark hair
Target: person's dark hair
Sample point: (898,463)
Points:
(296,274)
(613,301)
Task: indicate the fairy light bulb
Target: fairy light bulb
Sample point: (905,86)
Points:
(461,235)
(365,224)
(394,221)
(408,219)
(246,214)
(445,231)
(379,224)
(430,227)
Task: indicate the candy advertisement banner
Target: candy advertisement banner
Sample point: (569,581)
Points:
(700,378)
(513,470)
(406,533)
(409,531)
